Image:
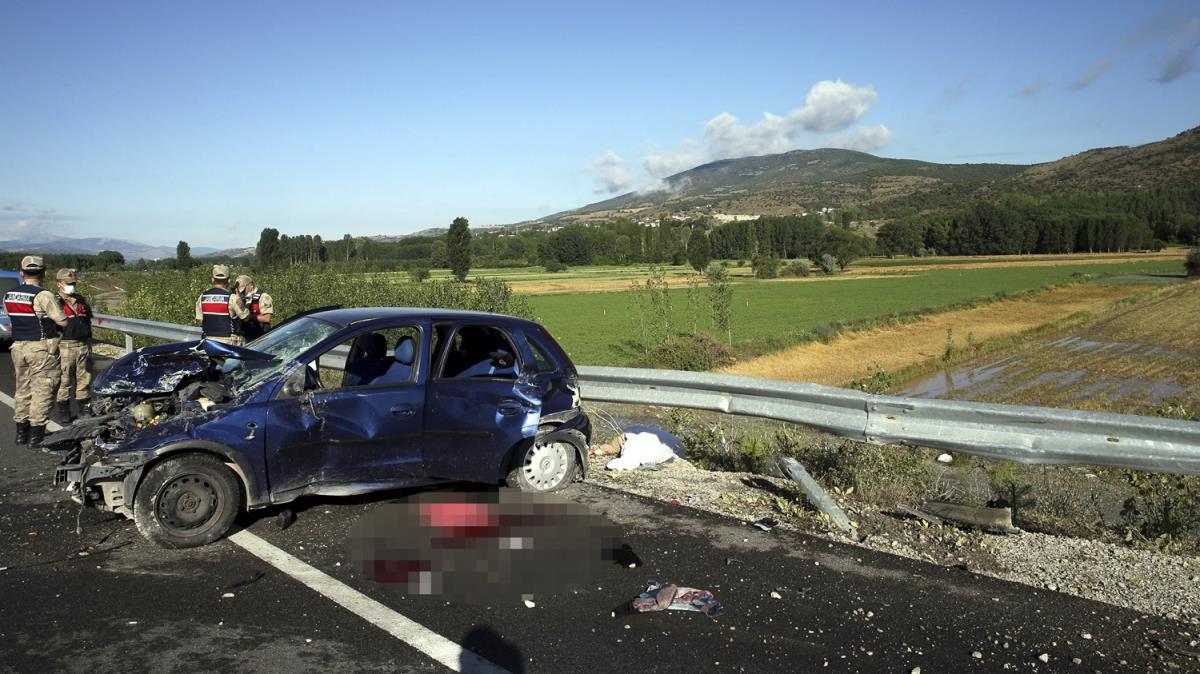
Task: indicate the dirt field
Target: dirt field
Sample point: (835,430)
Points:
(1131,359)
(897,348)
(1022,261)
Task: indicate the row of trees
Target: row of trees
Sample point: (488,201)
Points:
(1102,222)
(105,260)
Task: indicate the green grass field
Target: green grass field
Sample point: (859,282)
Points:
(593,325)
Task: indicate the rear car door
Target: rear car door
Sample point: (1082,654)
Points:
(359,423)
(478,407)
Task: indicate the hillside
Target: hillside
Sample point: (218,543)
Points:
(132,250)
(810,179)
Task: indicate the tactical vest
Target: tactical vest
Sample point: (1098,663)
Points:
(252,329)
(214,308)
(79,319)
(26,326)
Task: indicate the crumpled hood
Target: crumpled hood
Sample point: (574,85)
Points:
(161,368)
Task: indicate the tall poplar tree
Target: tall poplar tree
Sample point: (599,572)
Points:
(458,248)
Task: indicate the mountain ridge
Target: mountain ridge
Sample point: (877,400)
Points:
(798,180)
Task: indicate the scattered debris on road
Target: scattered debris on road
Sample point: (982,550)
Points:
(767,523)
(669,597)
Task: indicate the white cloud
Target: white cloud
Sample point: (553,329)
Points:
(833,106)
(610,174)
(830,106)
(863,139)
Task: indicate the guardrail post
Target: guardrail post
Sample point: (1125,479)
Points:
(816,495)
(128,343)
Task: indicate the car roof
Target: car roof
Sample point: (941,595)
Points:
(346,317)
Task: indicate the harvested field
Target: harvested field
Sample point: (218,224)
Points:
(1131,359)
(900,347)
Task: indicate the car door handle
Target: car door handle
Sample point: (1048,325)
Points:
(511,407)
(402,411)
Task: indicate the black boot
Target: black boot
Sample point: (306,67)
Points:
(36,435)
(22,433)
(62,412)
(85,407)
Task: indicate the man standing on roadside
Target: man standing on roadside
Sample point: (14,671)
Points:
(36,318)
(74,349)
(259,304)
(219,312)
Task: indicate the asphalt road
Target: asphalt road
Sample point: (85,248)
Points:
(106,600)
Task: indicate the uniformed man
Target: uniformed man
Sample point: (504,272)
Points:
(220,312)
(259,304)
(74,349)
(36,318)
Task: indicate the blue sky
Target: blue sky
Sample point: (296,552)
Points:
(208,121)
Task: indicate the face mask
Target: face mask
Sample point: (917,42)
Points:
(69,289)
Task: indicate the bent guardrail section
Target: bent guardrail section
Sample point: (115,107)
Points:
(1034,435)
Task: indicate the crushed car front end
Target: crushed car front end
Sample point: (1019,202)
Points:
(147,404)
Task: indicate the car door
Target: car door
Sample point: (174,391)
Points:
(358,424)
(476,407)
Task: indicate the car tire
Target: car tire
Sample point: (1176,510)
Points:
(548,464)
(187,501)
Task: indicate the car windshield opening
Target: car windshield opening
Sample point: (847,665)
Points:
(286,343)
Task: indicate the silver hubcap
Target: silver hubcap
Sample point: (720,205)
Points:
(546,465)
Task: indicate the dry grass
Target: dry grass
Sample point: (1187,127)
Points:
(897,348)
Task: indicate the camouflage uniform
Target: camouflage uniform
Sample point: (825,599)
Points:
(215,327)
(258,303)
(74,348)
(34,350)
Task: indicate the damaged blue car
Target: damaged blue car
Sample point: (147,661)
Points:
(335,402)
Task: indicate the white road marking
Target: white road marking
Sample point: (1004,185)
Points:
(8,400)
(405,629)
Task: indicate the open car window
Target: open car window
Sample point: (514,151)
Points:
(479,351)
(385,357)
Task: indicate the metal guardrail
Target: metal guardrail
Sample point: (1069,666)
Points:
(143,328)
(1033,435)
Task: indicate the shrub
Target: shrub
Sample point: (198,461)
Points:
(695,353)
(718,446)
(418,272)
(1164,509)
(766,266)
(798,268)
(1008,489)
(877,381)
(1157,245)
(1192,263)
(554,266)
(828,264)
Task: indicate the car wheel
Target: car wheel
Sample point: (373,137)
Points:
(187,501)
(549,464)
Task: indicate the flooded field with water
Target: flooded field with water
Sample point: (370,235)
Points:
(1133,358)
